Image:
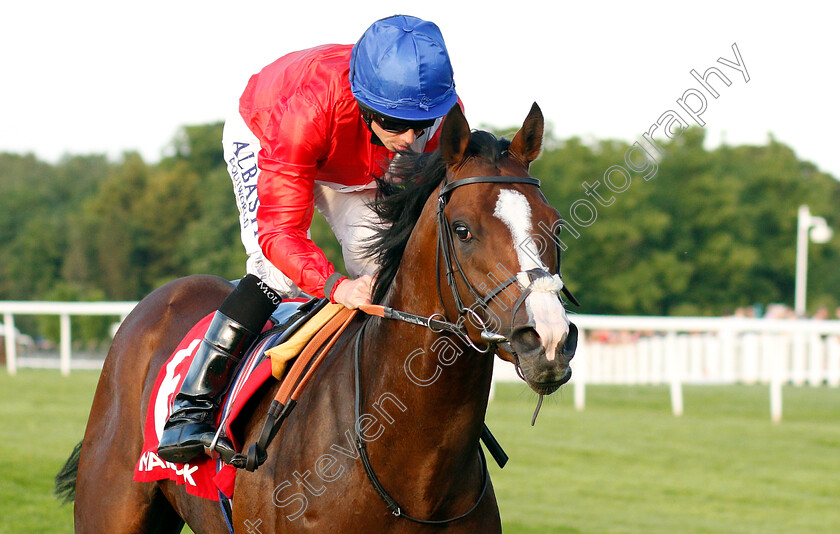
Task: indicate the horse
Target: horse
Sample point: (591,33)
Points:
(386,436)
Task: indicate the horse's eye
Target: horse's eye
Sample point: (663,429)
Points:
(462,232)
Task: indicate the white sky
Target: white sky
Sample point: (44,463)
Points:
(103,76)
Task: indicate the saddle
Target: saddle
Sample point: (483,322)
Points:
(301,333)
(316,337)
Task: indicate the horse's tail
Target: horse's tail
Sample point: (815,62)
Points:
(65,480)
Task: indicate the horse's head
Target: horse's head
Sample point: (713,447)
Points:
(497,253)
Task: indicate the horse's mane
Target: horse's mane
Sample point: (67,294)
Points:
(401,196)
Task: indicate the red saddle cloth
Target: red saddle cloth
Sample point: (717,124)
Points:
(204,476)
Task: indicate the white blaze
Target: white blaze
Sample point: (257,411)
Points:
(543,305)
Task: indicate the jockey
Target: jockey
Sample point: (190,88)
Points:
(314,129)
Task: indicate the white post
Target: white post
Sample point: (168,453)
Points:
(728,359)
(750,360)
(629,355)
(619,363)
(676,359)
(816,362)
(606,366)
(803,221)
(778,365)
(643,351)
(579,372)
(11,344)
(819,232)
(695,355)
(833,343)
(767,346)
(657,376)
(65,344)
(797,372)
(712,357)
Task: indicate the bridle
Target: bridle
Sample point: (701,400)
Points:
(446,249)
(438,323)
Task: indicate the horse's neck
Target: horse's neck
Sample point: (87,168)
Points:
(439,385)
(436,373)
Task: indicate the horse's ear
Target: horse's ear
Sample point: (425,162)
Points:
(455,136)
(527,142)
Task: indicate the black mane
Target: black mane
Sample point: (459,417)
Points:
(400,200)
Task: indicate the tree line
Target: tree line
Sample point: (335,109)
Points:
(711,231)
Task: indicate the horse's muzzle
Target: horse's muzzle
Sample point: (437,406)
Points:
(543,375)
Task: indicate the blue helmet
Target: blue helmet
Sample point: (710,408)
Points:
(400,68)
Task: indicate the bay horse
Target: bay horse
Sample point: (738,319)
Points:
(408,400)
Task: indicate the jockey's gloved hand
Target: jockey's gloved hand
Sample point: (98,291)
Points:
(353,293)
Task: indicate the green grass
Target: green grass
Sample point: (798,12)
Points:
(624,465)
(42,417)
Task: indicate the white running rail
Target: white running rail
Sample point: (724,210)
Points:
(637,349)
(64,310)
(701,350)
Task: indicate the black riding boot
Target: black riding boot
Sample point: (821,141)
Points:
(191,426)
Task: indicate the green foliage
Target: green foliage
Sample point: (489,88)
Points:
(200,147)
(210,241)
(712,230)
(88,330)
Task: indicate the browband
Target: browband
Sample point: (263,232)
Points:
(449,186)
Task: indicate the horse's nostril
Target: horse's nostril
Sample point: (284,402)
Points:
(526,339)
(570,345)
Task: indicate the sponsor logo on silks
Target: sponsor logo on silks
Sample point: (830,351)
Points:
(241,187)
(150,460)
